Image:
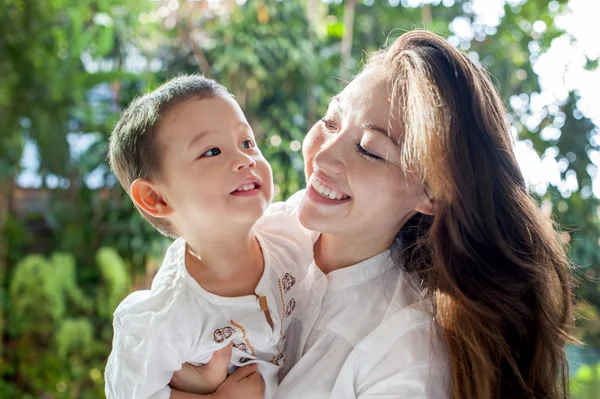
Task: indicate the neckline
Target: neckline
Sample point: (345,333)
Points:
(250,299)
(360,272)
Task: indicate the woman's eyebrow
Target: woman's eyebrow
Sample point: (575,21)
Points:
(370,126)
(337,102)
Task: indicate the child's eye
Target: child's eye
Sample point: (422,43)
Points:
(248,143)
(329,125)
(366,154)
(213,152)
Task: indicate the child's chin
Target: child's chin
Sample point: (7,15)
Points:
(250,213)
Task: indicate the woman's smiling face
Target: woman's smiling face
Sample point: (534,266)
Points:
(355,183)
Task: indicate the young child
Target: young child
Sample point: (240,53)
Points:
(187,156)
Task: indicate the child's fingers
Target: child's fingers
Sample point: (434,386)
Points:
(243,372)
(257,378)
(220,359)
(223,354)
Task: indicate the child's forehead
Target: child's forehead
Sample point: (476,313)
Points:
(207,108)
(190,117)
(210,110)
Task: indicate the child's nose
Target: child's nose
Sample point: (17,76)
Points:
(244,161)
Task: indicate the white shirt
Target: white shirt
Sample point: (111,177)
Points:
(364,332)
(177,321)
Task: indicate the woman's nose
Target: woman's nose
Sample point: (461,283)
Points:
(330,158)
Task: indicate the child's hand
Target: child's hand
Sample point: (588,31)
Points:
(203,379)
(244,383)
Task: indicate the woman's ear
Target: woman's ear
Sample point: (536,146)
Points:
(426,203)
(145,195)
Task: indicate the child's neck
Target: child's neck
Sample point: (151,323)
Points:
(225,263)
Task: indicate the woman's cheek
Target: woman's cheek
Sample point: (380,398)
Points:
(311,146)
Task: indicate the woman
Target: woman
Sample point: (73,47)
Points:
(435,274)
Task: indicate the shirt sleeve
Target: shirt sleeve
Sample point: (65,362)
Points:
(143,358)
(403,358)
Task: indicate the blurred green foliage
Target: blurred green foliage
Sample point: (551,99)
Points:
(69,68)
(586,383)
(59,336)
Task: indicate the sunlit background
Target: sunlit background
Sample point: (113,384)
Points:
(72,245)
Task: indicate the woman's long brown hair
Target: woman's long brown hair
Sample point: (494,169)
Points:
(492,260)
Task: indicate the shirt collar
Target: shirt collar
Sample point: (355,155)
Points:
(360,272)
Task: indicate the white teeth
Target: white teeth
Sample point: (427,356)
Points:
(247,187)
(326,191)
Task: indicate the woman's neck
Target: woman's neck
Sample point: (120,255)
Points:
(334,252)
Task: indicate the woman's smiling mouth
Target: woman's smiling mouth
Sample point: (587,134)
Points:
(318,188)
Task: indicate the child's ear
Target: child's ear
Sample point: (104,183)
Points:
(425,205)
(145,196)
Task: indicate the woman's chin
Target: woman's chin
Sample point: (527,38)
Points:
(314,218)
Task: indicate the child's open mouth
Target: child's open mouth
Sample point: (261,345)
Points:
(247,188)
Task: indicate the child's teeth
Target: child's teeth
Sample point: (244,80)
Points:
(332,194)
(247,187)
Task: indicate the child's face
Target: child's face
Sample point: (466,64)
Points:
(211,172)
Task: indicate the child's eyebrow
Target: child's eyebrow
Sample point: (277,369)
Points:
(198,137)
(245,125)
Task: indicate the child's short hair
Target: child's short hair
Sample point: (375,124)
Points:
(132,151)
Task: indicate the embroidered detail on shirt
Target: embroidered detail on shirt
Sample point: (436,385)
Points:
(243,330)
(290,307)
(264,306)
(282,305)
(241,347)
(288,282)
(277,358)
(221,334)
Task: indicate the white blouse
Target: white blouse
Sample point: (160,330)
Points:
(364,332)
(177,321)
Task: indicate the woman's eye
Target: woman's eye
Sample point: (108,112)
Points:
(249,143)
(213,152)
(329,125)
(366,154)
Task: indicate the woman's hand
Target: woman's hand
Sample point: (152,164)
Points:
(245,383)
(203,379)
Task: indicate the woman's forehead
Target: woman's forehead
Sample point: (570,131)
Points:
(367,93)
(366,100)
